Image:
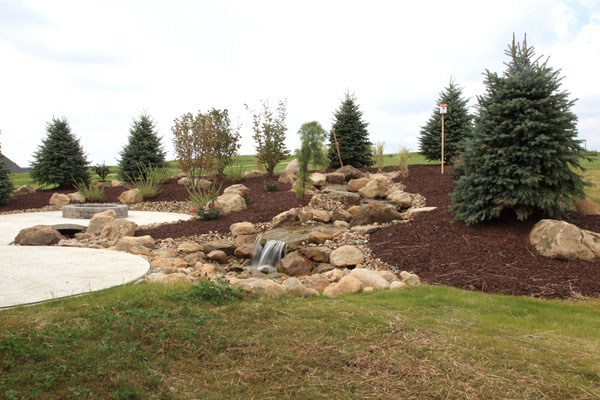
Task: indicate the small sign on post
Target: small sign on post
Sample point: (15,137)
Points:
(443,110)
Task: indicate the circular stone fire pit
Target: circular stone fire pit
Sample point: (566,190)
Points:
(86,211)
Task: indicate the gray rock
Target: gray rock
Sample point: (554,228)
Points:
(564,241)
(294,264)
(350,172)
(372,213)
(346,198)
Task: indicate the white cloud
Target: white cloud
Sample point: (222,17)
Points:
(100,63)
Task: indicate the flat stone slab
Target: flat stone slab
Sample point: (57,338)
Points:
(38,273)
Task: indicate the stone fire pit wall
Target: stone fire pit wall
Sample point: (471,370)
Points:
(86,211)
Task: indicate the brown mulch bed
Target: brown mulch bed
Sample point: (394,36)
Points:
(263,206)
(494,257)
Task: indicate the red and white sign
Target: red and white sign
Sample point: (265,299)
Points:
(443,108)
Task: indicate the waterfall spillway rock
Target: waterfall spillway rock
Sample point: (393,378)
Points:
(265,258)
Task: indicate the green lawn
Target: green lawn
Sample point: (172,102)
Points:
(149,341)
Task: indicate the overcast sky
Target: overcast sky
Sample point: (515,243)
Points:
(101,63)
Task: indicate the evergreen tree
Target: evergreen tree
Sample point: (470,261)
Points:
(523,148)
(60,160)
(352,136)
(143,148)
(6,186)
(457,126)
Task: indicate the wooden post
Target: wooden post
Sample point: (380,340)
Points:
(442,144)
(337,146)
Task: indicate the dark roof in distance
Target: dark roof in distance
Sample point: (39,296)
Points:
(12,167)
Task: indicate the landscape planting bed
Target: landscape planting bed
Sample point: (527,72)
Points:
(495,257)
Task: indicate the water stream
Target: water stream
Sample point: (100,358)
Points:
(265,258)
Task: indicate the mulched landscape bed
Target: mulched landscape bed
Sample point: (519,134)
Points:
(495,257)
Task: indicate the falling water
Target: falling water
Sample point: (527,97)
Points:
(266,258)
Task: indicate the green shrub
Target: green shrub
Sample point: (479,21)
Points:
(269,134)
(148,180)
(378,155)
(60,159)
(102,171)
(202,196)
(217,293)
(271,186)
(208,211)
(235,173)
(6,186)
(402,159)
(91,192)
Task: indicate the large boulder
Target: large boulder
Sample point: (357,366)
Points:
(190,247)
(237,189)
(354,185)
(346,256)
(100,220)
(321,235)
(131,196)
(318,179)
(293,166)
(242,228)
(118,229)
(217,256)
(372,213)
(341,215)
(244,251)
(261,287)
(564,241)
(38,235)
(294,264)
(286,177)
(318,254)
(177,277)
(320,215)
(375,188)
(229,202)
(348,284)
(335,178)
(76,198)
(346,198)
(222,244)
(23,190)
(586,206)
(168,262)
(286,218)
(370,278)
(317,282)
(253,174)
(350,172)
(135,245)
(59,199)
(400,200)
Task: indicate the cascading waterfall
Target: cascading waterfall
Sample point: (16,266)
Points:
(266,258)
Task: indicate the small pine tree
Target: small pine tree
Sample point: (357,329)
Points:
(457,126)
(352,136)
(60,160)
(312,137)
(6,186)
(144,148)
(523,149)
